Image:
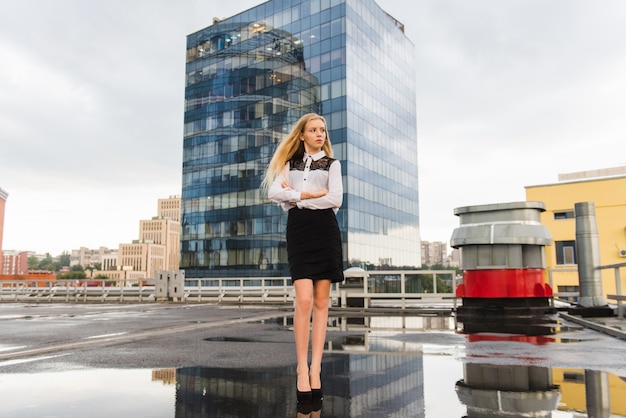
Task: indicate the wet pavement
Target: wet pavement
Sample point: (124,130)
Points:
(178,360)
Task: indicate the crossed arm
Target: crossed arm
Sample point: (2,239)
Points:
(283,192)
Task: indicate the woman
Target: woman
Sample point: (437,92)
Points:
(304,178)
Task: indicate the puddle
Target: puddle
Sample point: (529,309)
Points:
(229,339)
(355,385)
(81,393)
(379,367)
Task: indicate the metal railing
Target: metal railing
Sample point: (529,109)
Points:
(619,297)
(561,295)
(99,290)
(375,288)
(393,287)
(239,290)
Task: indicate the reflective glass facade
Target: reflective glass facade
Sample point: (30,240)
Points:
(248,80)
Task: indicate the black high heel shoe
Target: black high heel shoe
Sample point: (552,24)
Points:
(316,405)
(304,396)
(316,394)
(304,408)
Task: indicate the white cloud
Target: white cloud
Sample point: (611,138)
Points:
(91,106)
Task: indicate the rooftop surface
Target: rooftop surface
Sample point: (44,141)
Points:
(199,360)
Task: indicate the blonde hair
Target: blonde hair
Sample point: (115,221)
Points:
(291,147)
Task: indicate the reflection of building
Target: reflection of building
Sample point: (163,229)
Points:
(382,384)
(248,79)
(574,386)
(213,392)
(434,321)
(167,376)
(355,385)
(605,189)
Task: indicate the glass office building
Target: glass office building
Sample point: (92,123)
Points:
(249,78)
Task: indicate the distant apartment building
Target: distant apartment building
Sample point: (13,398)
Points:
(143,256)
(158,246)
(455,258)
(109,261)
(86,257)
(3,199)
(169,208)
(605,188)
(434,252)
(14,262)
(164,229)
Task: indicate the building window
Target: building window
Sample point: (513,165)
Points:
(565,252)
(566,214)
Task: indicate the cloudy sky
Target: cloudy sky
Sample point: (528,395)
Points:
(510,93)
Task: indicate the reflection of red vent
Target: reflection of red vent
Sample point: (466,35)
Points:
(537,340)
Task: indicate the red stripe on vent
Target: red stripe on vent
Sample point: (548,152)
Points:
(504,283)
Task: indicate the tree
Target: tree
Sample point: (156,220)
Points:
(33,263)
(64,259)
(444,283)
(72,275)
(46,263)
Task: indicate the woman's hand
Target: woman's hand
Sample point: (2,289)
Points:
(313,195)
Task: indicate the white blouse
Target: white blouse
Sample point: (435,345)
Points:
(309,180)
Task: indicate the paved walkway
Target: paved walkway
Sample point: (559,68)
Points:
(142,335)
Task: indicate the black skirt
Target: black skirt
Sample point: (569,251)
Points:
(314,245)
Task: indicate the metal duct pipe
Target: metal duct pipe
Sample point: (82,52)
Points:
(588,256)
(597,394)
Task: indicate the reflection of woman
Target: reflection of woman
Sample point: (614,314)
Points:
(309,409)
(304,178)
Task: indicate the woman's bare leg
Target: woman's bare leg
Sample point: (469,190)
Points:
(321,297)
(302,328)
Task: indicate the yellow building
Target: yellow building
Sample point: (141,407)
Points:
(143,256)
(169,208)
(607,190)
(165,232)
(573,391)
(158,246)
